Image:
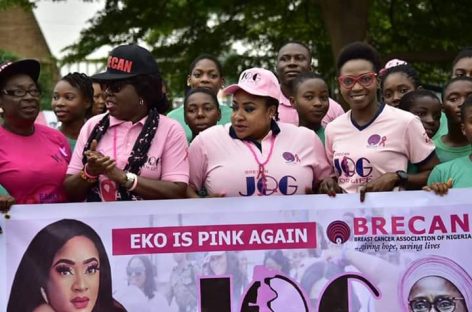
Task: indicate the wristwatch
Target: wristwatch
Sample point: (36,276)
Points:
(129,180)
(402,178)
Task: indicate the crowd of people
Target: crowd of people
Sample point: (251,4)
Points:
(282,135)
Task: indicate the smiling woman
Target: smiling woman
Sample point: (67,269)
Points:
(30,180)
(65,268)
(131,152)
(370,145)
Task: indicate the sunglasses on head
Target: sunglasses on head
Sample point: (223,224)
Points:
(365,80)
(441,304)
(135,271)
(114,86)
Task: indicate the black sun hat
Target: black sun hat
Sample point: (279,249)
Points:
(28,67)
(127,61)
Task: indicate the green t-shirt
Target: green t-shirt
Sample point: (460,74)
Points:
(412,168)
(178,115)
(442,127)
(459,170)
(3,191)
(447,153)
(71,143)
(321,134)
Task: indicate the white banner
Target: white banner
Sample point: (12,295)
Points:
(294,253)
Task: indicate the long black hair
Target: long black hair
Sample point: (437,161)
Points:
(33,270)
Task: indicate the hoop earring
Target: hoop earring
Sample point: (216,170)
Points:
(44,295)
(141,101)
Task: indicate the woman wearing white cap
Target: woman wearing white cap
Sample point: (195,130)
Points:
(255,155)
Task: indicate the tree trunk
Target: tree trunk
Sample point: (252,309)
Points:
(346,21)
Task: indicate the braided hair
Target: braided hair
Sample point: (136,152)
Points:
(148,87)
(406,69)
(411,97)
(83,83)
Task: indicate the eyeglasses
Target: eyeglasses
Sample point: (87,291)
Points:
(135,271)
(114,86)
(365,80)
(441,304)
(21,92)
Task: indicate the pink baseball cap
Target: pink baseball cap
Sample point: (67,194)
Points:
(394,62)
(256,81)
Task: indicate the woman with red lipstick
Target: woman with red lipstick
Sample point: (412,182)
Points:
(370,145)
(34,157)
(131,152)
(255,155)
(72,102)
(64,269)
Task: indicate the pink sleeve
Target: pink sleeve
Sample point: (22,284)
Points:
(75,164)
(322,167)
(419,145)
(329,144)
(198,163)
(334,110)
(175,166)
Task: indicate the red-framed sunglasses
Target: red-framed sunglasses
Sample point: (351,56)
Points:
(364,80)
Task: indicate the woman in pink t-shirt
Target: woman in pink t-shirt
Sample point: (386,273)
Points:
(370,145)
(34,157)
(132,152)
(255,155)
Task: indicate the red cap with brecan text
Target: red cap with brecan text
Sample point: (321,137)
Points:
(128,61)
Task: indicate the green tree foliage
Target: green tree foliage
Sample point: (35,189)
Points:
(427,33)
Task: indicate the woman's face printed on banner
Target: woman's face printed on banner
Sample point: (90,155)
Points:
(219,264)
(74,276)
(435,293)
(136,272)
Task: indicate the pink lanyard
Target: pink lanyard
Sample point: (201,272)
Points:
(261,172)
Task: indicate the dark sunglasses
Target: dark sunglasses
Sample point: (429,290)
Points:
(365,80)
(114,86)
(441,304)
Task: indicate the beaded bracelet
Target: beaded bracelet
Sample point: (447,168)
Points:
(87,178)
(88,175)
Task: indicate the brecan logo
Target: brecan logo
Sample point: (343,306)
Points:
(338,232)
(290,158)
(376,140)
